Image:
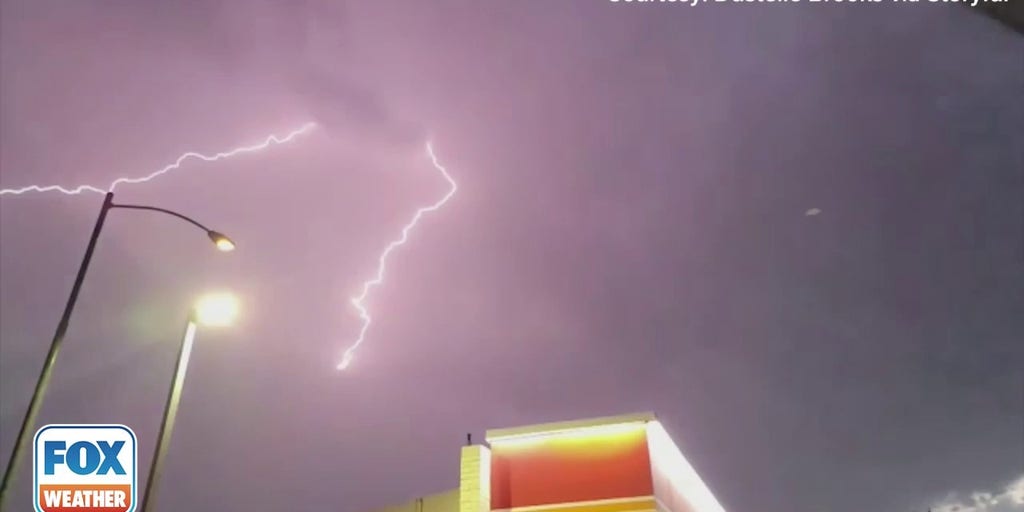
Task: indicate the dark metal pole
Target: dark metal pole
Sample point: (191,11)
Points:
(28,424)
(170,414)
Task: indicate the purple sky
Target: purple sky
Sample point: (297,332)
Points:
(629,235)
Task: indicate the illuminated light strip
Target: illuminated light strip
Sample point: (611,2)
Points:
(270,140)
(359,302)
(636,504)
(666,456)
(596,425)
(572,434)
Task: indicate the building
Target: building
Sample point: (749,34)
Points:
(618,464)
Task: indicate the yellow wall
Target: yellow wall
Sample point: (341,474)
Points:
(442,502)
(475,479)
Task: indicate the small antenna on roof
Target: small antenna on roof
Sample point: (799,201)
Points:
(469,439)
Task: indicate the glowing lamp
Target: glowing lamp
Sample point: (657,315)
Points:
(223,243)
(216,310)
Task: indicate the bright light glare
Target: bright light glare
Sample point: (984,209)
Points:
(216,310)
(225,245)
(665,456)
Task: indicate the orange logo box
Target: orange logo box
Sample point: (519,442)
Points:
(85,498)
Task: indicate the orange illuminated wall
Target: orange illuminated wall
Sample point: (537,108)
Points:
(600,463)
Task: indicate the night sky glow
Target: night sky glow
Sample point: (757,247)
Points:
(793,231)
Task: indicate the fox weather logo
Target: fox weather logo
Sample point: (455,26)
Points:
(84,468)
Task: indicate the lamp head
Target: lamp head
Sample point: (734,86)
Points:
(223,243)
(216,310)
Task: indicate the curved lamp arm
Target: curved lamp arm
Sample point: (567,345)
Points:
(219,239)
(163,210)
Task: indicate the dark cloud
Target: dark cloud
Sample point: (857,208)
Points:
(354,113)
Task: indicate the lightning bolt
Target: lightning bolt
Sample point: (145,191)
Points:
(359,301)
(269,141)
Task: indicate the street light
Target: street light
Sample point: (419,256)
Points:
(222,242)
(215,310)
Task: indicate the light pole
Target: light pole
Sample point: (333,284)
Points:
(217,310)
(222,242)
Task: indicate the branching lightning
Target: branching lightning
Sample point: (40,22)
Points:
(359,301)
(269,141)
